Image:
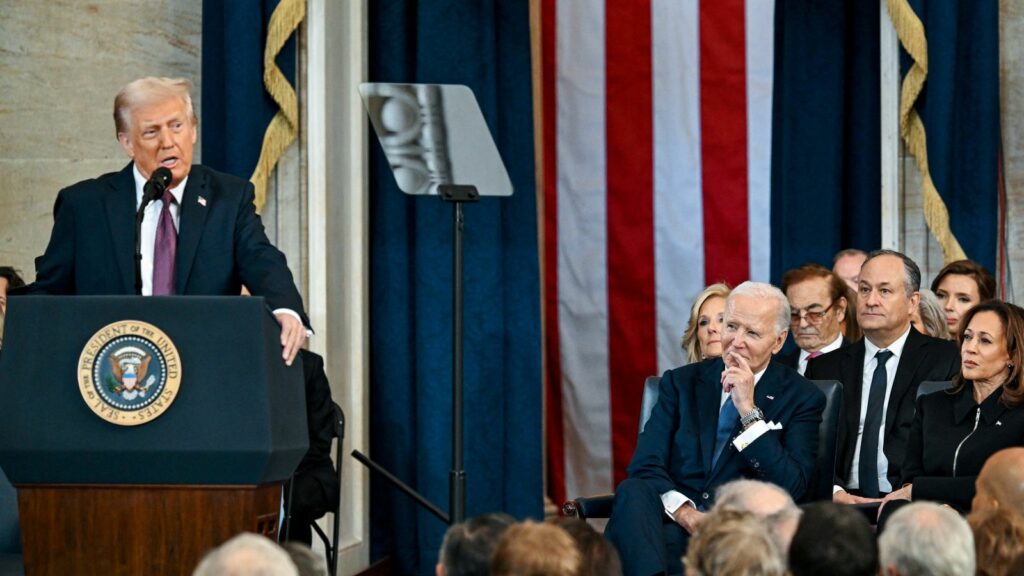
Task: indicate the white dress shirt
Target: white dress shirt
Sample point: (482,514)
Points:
(805,355)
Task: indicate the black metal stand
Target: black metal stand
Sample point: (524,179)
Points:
(457,196)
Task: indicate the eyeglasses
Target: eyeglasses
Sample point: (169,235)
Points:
(812,316)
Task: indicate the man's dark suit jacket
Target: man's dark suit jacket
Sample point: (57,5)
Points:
(923,359)
(221,242)
(792,359)
(676,448)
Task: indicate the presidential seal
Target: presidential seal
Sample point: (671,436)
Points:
(129,373)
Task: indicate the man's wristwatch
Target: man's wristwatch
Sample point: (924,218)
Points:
(750,417)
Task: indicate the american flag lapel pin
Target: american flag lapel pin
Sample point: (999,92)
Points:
(202,201)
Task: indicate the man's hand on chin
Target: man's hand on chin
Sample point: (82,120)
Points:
(688,517)
(293,336)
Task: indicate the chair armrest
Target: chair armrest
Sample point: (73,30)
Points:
(589,507)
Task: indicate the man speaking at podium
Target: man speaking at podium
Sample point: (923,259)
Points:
(201,236)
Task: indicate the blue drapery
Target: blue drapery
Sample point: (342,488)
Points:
(826,157)
(236,108)
(485,46)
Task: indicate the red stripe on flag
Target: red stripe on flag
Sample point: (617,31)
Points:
(630,212)
(723,118)
(553,376)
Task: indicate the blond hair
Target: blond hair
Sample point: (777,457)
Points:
(150,90)
(690,343)
(732,543)
(532,549)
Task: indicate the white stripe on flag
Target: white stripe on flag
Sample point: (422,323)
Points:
(760,41)
(678,201)
(582,241)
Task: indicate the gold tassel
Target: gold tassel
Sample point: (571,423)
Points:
(911,33)
(284,127)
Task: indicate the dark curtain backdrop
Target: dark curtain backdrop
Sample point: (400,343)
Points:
(484,45)
(236,108)
(960,110)
(826,167)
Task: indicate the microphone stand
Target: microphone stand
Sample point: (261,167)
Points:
(150,191)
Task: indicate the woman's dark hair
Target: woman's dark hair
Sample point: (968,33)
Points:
(1012,318)
(981,276)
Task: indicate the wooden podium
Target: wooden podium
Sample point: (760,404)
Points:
(114,483)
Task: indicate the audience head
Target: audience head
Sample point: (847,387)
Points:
(306,561)
(992,349)
(887,292)
(597,556)
(929,318)
(959,286)
(703,336)
(156,125)
(247,555)
(468,546)
(924,538)
(833,539)
(756,317)
(1000,484)
(771,504)
(818,303)
(532,549)
(846,264)
(998,541)
(9,279)
(732,543)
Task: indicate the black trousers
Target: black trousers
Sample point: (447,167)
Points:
(646,543)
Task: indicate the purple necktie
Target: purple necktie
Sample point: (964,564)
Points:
(164,250)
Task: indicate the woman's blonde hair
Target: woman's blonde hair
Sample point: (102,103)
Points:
(690,344)
(732,543)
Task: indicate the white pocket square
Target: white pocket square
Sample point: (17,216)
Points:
(774,426)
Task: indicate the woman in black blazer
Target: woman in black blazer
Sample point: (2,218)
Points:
(954,432)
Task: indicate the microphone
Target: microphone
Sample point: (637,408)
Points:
(155,187)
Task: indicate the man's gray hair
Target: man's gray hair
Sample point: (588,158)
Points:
(469,545)
(924,538)
(247,554)
(763,291)
(780,516)
(912,274)
(150,90)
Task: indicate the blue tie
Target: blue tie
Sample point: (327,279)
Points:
(867,471)
(727,420)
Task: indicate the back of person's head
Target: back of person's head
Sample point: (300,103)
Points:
(306,561)
(247,555)
(1001,482)
(14,279)
(925,539)
(468,546)
(833,539)
(732,543)
(770,503)
(597,556)
(998,540)
(534,549)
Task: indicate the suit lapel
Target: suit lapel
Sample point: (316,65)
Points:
(190,226)
(904,378)
(851,374)
(709,399)
(765,393)
(120,204)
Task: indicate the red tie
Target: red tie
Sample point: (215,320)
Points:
(814,354)
(164,250)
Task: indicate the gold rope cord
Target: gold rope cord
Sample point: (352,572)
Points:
(284,127)
(912,37)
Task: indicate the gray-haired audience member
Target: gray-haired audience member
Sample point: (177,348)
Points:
(926,539)
(732,543)
(468,546)
(833,539)
(306,561)
(247,555)
(766,501)
(929,318)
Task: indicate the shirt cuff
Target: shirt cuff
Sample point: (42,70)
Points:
(293,313)
(837,488)
(750,434)
(672,500)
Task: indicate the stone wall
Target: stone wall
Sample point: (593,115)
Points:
(62,62)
